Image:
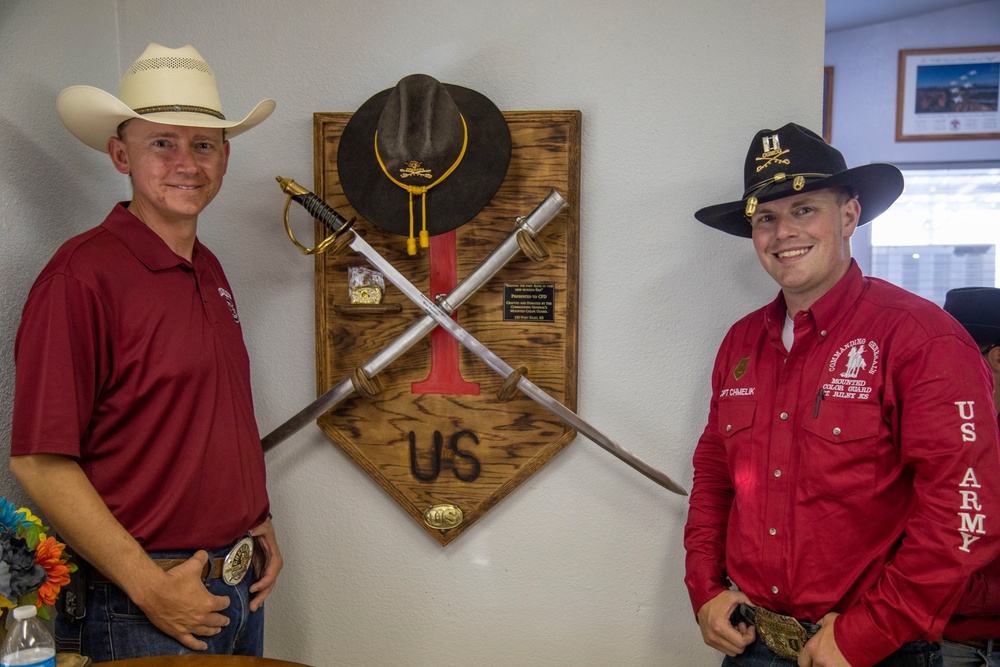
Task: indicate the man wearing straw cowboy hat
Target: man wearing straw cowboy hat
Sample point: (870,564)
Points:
(133,425)
(843,485)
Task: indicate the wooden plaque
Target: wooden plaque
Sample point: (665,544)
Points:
(437,439)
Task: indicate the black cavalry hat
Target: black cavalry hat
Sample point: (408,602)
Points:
(978,310)
(793,159)
(423,155)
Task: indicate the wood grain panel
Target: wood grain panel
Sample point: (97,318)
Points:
(488,447)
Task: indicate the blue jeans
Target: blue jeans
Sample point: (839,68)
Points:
(913,654)
(114,628)
(960,655)
(757,654)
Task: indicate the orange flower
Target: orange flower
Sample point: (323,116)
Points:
(49,555)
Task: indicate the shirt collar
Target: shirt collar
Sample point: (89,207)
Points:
(830,308)
(142,241)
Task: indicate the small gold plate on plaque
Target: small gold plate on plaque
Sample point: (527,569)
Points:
(366,294)
(443,517)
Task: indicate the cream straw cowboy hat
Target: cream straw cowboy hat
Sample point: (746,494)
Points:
(169,86)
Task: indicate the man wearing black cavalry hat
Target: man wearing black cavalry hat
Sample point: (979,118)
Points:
(972,636)
(841,493)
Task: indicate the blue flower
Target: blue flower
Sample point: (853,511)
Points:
(9,516)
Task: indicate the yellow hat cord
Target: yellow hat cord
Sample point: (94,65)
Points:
(421,190)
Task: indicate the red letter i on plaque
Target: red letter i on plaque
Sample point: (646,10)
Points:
(445,376)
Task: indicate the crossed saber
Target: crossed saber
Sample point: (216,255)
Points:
(439,314)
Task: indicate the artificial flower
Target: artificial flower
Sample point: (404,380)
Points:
(10,517)
(50,556)
(30,518)
(33,566)
(19,573)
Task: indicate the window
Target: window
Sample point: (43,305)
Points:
(942,232)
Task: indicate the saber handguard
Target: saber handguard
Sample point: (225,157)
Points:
(320,210)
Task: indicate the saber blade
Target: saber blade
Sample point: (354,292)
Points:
(508,249)
(339,225)
(532,391)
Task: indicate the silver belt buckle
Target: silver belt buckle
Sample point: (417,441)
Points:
(237,561)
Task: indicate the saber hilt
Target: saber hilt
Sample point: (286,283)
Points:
(333,221)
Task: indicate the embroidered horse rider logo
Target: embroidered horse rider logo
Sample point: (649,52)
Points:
(772,151)
(414,168)
(855,362)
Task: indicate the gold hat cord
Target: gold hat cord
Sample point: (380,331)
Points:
(421,190)
(798,183)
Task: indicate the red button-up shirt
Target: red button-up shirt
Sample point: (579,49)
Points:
(852,474)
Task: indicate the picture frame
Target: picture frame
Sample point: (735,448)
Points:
(827,104)
(948,94)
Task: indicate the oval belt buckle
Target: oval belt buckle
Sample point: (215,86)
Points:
(237,561)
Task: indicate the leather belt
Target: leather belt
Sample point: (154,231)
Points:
(212,570)
(785,635)
(231,568)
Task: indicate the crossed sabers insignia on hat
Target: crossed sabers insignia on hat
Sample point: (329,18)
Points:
(771,157)
(439,314)
(414,168)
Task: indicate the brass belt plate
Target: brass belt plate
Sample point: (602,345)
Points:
(782,634)
(237,561)
(443,517)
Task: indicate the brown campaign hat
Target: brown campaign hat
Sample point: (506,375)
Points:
(423,156)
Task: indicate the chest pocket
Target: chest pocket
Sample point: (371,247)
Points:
(841,452)
(736,426)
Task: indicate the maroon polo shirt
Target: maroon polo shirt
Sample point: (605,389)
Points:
(131,360)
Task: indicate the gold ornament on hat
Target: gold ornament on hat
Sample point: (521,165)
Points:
(798,182)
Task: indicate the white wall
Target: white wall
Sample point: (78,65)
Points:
(866,64)
(45,197)
(583,563)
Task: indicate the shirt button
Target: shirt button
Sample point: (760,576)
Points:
(773,531)
(777,473)
(784,415)
(729,427)
(774,589)
(836,431)
(823,332)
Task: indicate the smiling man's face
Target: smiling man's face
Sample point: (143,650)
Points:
(803,242)
(176,170)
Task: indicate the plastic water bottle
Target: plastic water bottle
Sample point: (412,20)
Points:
(29,642)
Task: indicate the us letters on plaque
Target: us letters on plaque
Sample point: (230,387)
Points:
(437,439)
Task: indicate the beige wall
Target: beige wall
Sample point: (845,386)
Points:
(583,564)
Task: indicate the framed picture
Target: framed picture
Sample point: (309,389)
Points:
(948,94)
(827,103)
